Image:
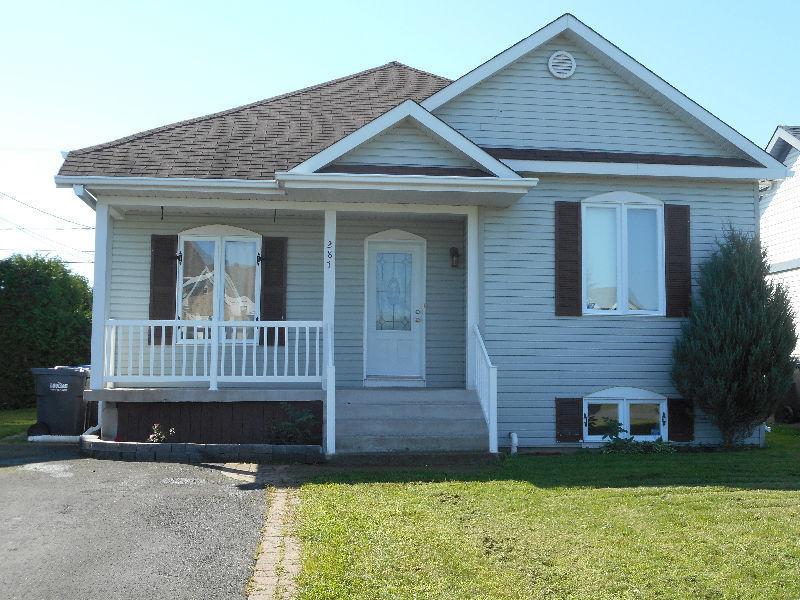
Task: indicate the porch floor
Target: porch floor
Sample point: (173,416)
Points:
(409,420)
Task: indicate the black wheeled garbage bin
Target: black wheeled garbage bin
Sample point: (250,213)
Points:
(60,407)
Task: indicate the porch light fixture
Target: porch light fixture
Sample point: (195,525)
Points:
(454,257)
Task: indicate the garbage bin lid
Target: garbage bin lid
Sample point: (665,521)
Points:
(60,371)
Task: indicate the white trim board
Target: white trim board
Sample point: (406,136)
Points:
(98,182)
(422,183)
(636,70)
(408,109)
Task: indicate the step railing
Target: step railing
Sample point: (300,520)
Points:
(183,351)
(486,386)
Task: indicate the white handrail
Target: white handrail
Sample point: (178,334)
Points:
(153,351)
(486,386)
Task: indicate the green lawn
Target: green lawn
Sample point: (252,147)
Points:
(16,421)
(687,525)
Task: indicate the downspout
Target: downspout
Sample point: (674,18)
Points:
(85,195)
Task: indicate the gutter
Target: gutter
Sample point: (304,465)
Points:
(168,184)
(413,183)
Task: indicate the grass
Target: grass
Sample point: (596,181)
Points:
(587,525)
(15,422)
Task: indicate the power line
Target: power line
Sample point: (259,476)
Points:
(41,237)
(49,214)
(46,228)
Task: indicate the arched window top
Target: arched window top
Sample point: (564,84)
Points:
(625,393)
(394,235)
(219,231)
(623,198)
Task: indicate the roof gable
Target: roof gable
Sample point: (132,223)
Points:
(406,144)
(408,112)
(623,64)
(596,109)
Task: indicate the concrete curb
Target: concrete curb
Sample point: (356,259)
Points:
(94,447)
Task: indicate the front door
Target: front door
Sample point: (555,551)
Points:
(395,318)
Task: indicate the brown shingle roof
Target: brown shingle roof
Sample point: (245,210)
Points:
(254,141)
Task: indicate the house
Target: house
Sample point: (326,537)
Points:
(422,264)
(780,216)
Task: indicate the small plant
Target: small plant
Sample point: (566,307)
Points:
(620,443)
(158,436)
(295,427)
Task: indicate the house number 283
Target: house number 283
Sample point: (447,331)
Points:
(329,254)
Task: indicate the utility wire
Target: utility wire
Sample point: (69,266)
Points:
(46,228)
(41,237)
(49,214)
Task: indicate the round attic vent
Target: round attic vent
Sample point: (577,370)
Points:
(561,64)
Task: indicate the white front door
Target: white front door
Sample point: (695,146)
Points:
(395,318)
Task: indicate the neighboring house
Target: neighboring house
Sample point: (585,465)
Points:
(432,264)
(780,216)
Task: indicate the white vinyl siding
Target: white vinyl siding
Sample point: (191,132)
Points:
(780,215)
(791,281)
(780,223)
(129,287)
(539,356)
(405,144)
(524,106)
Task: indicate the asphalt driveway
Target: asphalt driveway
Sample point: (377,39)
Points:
(73,527)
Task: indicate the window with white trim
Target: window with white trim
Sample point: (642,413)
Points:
(641,413)
(623,255)
(219,277)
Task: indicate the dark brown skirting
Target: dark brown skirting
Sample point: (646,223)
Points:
(296,422)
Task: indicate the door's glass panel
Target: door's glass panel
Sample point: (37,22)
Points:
(642,259)
(393,291)
(645,419)
(600,260)
(197,290)
(603,417)
(239,302)
(197,287)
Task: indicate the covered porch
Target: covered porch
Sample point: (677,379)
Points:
(381,291)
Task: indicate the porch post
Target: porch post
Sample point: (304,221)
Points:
(328,308)
(472,292)
(102,251)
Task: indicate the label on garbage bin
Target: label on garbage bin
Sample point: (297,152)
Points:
(58,386)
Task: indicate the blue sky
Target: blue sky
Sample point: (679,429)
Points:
(80,73)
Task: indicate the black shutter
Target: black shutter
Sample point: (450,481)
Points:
(568,285)
(163,282)
(569,419)
(273,285)
(678,259)
(681,420)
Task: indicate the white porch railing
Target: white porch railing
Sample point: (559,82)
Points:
(153,351)
(486,386)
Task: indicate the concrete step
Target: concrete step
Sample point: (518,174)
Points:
(362,410)
(406,396)
(380,420)
(411,443)
(410,426)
